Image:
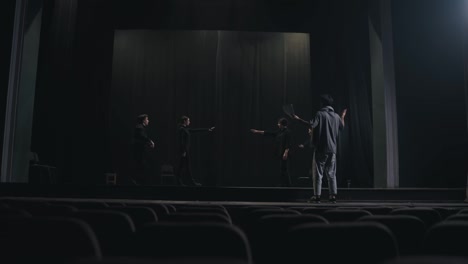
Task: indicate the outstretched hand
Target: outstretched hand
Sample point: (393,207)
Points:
(343,114)
(211,129)
(296,117)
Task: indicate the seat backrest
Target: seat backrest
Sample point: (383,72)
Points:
(53,210)
(376,210)
(316,210)
(51,239)
(344,215)
(447,238)
(85,204)
(457,217)
(287,221)
(445,212)
(428,215)
(196,218)
(172,260)
(409,231)
(196,209)
(268,235)
(114,229)
(192,240)
(14,212)
(463,211)
(357,242)
(257,214)
(160,209)
(424,259)
(140,214)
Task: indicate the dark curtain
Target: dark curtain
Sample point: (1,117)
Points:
(70,126)
(231,80)
(465,66)
(429,73)
(84,116)
(356,149)
(52,123)
(341,67)
(6,29)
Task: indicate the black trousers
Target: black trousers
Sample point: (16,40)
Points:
(285,179)
(141,170)
(184,173)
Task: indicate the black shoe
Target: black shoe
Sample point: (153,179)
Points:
(332,199)
(314,199)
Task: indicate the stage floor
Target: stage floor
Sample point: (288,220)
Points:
(268,195)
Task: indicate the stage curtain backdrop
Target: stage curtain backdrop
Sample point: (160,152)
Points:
(231,80)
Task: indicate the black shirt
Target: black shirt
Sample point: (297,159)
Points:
(283,140)
(140,136)
(184,137)
(141,140)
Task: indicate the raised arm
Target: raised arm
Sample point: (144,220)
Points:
(342,117)
(255,131)
(263,132)
(287,145)
(304,122)
(196,130)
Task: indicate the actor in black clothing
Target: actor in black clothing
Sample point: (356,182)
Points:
(142,145)
(184,174)
(283,140)
(308,143)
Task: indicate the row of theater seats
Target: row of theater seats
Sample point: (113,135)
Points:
(66,231)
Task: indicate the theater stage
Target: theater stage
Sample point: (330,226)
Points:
(234,194)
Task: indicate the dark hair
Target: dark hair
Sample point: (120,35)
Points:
(283,121)
(141,118)
(326,100)
(182,119)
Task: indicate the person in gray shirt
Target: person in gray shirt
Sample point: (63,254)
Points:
(326,126)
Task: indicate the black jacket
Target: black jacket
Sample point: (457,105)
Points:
(283,140)
(184,135)
(141,141)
